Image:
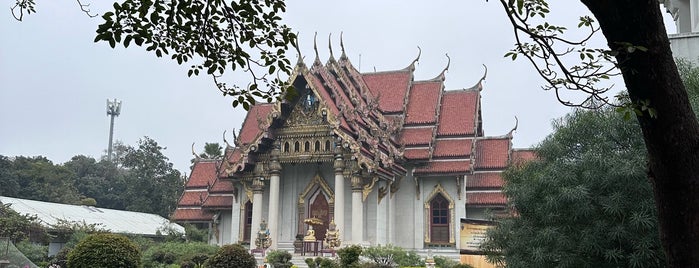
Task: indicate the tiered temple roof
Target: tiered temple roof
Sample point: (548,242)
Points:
(394,125)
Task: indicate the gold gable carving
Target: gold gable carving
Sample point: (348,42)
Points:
(320,182)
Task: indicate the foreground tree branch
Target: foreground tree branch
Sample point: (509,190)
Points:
(640,49)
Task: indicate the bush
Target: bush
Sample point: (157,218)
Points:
(279,258)
(106,251)
(349,256)
(389,255)
(178,253)
(443,262)
(321,262)
(36,253)
(231,256)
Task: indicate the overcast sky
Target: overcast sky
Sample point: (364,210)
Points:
(54,81)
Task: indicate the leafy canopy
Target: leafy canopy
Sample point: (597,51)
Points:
(586,202)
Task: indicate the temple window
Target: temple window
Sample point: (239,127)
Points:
(327,145)
(286,147)
(296,146)
(317,147)
(307,147)
(439,219)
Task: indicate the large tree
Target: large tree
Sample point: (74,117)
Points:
(639,49)
(152,184)
(585,202)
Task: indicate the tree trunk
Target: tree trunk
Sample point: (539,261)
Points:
(672,137)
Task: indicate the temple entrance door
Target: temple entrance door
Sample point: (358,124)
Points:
(319,208)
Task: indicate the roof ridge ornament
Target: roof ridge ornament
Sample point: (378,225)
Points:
(479,84)
(330,46)
(228,145)
(440,77)
(299,62)
(342,46)
(315,48)
(411,67)
(514,128)
(196,157)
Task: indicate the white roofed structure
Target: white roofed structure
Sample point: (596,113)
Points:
(115,221)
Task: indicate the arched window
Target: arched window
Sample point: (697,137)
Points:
(307,147)
(286,147)
(439,219)
(317,147)
(296,146)
(327,145)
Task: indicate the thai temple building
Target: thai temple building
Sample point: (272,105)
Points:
(684,43)
(377,158)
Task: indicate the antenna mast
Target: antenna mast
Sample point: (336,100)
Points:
(113,110)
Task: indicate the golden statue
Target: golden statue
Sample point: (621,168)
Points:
(263,240)
(332,236)
(310,235)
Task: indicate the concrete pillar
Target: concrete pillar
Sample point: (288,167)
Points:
(273,213)
(357,210)
(235,219)
(258,187)
(339,209)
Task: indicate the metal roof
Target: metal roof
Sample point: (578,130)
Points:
(112,220)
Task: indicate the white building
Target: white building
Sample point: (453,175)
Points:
(685,43)
(389,159)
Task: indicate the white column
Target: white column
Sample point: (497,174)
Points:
(357,210)
(274,209)
(275,169)
(235,219)
(339,209)
(257,188)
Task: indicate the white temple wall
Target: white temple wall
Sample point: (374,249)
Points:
(382,215)
(236,216)
(224,226)
(404,213)
(370,216)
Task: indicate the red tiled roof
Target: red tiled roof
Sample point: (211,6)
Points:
(492,198)
(492,153)
(423,153)
(218,201)
(185,214)
(192,198)
(451,148)
(521,156)
(458,113)
(422,103)
(485,180)
(416,136)
(203,174)
(222,186)
(251,129)
(390,88)
(445,167)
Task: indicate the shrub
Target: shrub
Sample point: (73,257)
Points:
(279,258)
(462,265)
(349,256)
(231,256)
(36,253)
(444,262)
(389,255)
(162,253)
(320,262)
(106,251)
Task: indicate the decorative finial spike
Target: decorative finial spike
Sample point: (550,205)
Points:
(298,51)
(342,46)
(448,62)
(330,45)
(228,145)
(315,46)
(514,128)
(196,157)
(419,52)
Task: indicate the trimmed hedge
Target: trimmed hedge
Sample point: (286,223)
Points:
(231,256)
(106,251)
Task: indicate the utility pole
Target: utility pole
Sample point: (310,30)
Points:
(113,110)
